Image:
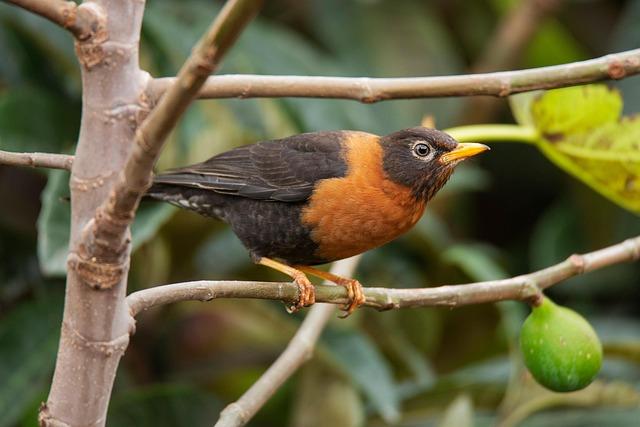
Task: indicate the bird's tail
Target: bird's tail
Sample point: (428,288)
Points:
(204,202)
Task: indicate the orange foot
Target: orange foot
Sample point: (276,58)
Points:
(354,288)
(306,291)
(354,293)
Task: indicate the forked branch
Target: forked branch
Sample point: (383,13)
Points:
(116,214)
(525,288)
(299,350)
(370,90)
(81,21)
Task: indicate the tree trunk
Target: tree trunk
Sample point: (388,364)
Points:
(96,321)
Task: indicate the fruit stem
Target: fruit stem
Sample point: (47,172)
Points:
(536,300)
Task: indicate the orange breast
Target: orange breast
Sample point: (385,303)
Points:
(364,209)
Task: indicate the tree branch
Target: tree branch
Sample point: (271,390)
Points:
(299,350)
(37,160)
(526,287)
(81,21)
(370,90)
(116,214)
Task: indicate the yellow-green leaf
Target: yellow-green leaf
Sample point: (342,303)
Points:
(581,131)
(576,109)
(607,159)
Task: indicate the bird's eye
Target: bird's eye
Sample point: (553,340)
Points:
(421,149)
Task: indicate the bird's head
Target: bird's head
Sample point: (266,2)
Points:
(423,159)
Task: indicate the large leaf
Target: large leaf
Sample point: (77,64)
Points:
(610,417)
(329,396)
(55,219)
(574,110)
(56,127)
(54,225)
(582,132)
(459,413)
(420,46)
(28,343)
(36,51)
(368,369)
(476,260)
(171,405)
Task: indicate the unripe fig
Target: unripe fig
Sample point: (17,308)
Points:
(560,348)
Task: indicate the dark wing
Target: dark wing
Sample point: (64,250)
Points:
(280,170)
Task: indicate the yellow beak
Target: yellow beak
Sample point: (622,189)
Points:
(463,151)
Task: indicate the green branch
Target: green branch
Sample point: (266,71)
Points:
(494,133)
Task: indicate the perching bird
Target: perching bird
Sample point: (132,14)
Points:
(318,197)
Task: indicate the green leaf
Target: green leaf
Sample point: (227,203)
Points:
(329,396)
(368,369)
(459,413)
(575,109)
(56,127)
(55,219)
(171,405)
(427,48)
(28,343)
(581,131)
(610,417)
(53,225)
(476,260)
(604,159)
(520,105)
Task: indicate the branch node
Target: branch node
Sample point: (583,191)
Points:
(578,262)
(133,113)
(45,419)
(505,88)
(235,411)
(388,304)
(616,70)
(95,273)
(634,247)
(530,292)
(89,44)
(367,95)
(86,184)
(116,346)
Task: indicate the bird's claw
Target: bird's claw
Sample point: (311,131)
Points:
(306,293)
(355,294)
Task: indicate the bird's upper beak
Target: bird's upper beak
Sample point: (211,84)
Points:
(463,151)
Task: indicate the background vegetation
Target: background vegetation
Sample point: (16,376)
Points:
(508,213)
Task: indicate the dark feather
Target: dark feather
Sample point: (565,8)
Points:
(279,170)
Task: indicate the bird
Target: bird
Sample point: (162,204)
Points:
(318,197)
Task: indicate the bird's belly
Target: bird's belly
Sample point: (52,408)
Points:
(272,229)
(348,218)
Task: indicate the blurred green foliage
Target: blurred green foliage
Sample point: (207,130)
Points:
(508,213)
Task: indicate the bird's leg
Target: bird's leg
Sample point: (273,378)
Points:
(306,291)
(354,288)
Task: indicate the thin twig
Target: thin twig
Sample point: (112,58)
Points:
(299,350)
(37,160)
(81,21)
(116,214)
(370,90)
(523,288)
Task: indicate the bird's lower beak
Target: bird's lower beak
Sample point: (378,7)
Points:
(463,151)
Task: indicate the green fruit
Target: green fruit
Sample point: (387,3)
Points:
(560,348)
